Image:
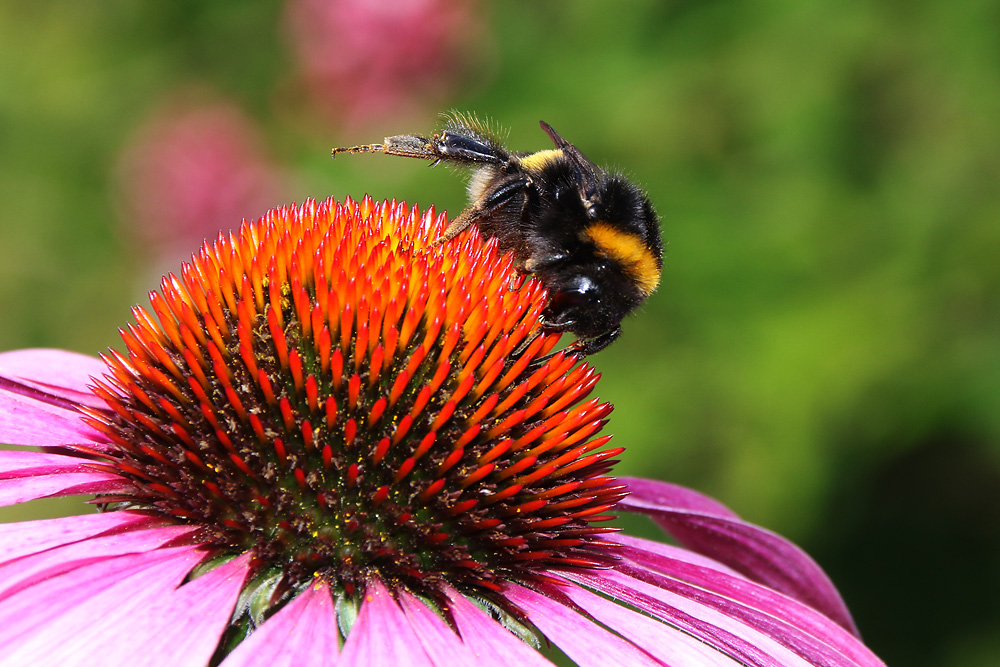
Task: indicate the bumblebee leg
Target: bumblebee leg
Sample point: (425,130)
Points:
(516,280)
(405,145)
(457,226)
(582,347)
(445,146)
(537,263)
(549,327)
(507,194)
(460,147)
(366,148)
(587,346)
(520,349)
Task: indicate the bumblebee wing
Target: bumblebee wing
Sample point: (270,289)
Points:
(585,171)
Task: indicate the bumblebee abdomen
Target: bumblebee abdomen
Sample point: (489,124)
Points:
(628,251)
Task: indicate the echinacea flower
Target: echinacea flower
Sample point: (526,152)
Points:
(331,442)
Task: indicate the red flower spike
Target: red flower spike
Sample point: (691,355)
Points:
(295,368)
(279,449)
(452,459)
(381,449)
(353,391)
(380,495)
(477,475)
(486,408)
(405,468)
(376,412)
(447,410)
(402,429)
(312,393)
(336,365)
(375,366)
(264,382)
(331,412)
(350,431)
(425,445)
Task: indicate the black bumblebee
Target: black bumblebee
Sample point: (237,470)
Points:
(590,236)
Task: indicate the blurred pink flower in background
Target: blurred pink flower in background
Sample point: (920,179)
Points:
(363,60)
(189,172)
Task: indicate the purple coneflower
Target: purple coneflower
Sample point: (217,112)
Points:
(332,443)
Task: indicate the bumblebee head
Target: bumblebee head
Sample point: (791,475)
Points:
(589,300)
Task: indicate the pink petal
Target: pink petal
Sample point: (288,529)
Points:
(16,463)
(746,643)
(792,623)
(30,422)
(585,642)
(13,492)
(382,635)
(491,643)
(675,496)
(30,537)
(26,475)
(661,640)
(302,634)
(27,571)
(62,373)
(701,524)
(440,642)
(188,622)
(77,617)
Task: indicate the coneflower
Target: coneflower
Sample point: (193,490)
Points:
(330,442)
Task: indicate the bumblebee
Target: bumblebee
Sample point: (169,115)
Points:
(589,235)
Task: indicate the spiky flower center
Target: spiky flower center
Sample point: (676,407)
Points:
(332,392)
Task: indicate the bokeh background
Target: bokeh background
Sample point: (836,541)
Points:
(824,351)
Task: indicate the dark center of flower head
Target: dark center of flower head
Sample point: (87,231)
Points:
(333,393)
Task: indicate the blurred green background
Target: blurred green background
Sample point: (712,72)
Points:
(824,351)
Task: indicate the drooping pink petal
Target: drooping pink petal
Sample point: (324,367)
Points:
(675,496)
(66,619)
(59,372)
(302,634)
(664,641)
(585,642)
(27,571)
(26,475)
(795,624)
(491,643)
(716,625)
(382,635)
(707,527)
(27,421)
(439,641)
